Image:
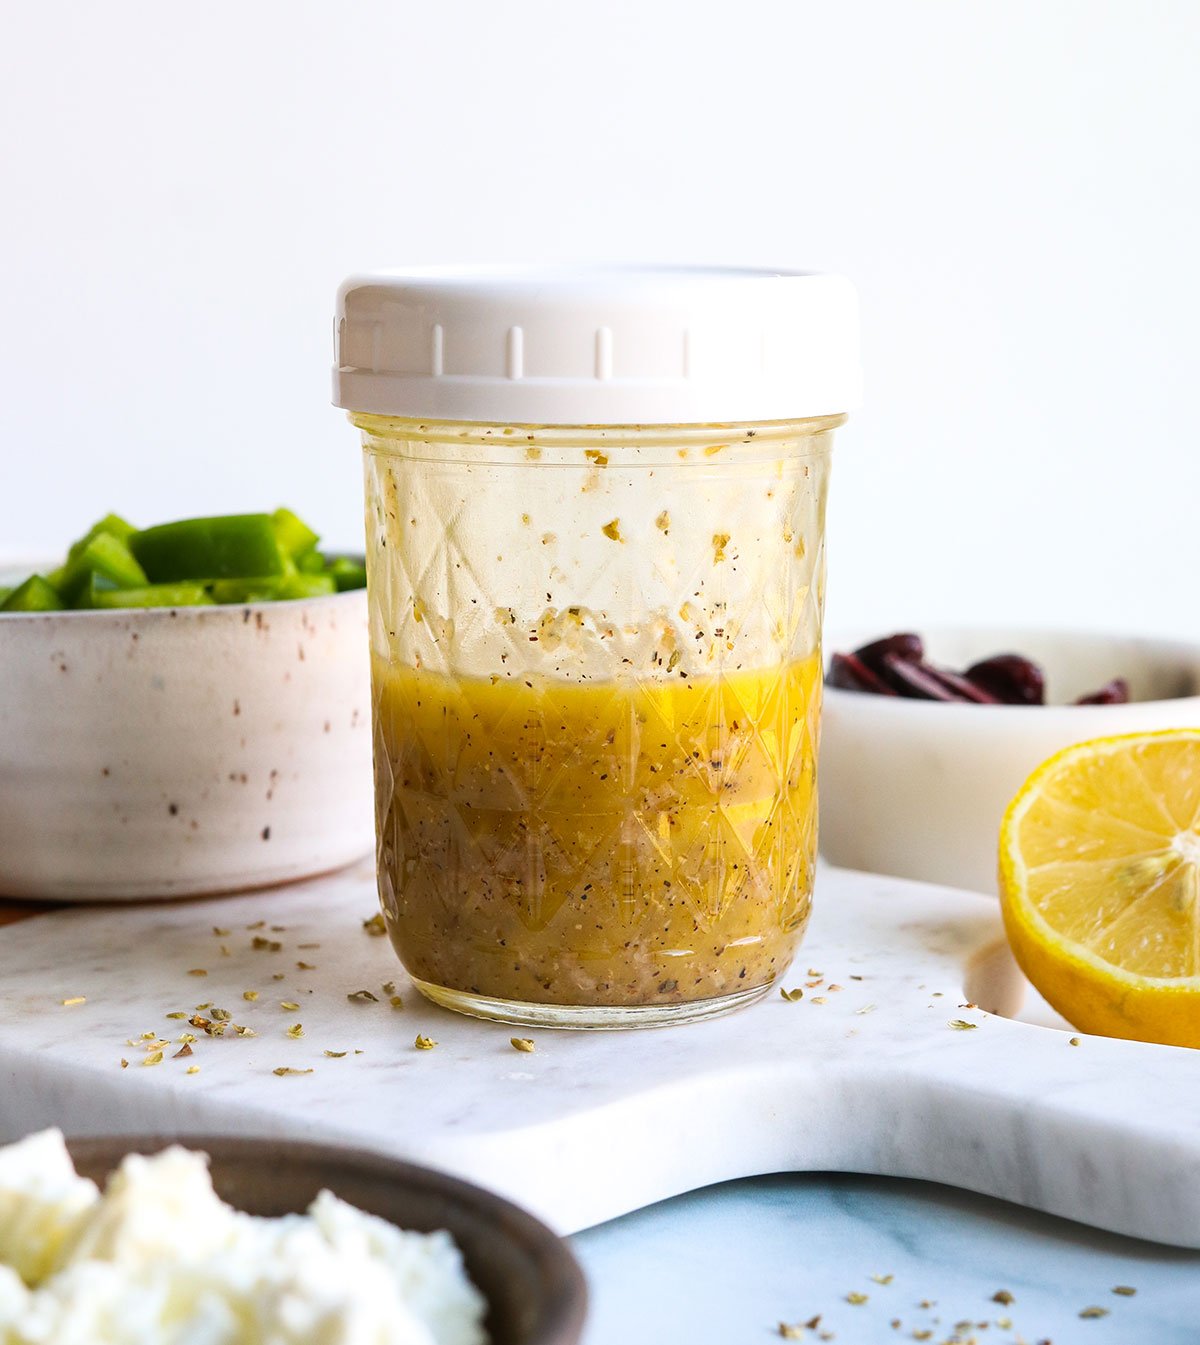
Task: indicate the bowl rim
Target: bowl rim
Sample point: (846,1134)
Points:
(16,568)
(560,1312)
(188,611)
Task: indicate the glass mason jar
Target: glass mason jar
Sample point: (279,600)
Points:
(596,663)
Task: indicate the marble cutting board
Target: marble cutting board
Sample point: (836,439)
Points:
(870,1077)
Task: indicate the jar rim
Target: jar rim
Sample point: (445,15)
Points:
(624,443)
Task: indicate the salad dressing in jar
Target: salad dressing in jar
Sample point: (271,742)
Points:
(595,513)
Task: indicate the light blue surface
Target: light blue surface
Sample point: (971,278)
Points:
(725,1266)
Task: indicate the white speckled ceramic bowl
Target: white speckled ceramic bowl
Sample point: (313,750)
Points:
(167,752)
(918,788)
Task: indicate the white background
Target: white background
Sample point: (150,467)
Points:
(1013,186)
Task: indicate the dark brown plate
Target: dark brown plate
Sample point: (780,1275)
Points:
(532,1282)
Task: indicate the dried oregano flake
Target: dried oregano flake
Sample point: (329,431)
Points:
(796,1330)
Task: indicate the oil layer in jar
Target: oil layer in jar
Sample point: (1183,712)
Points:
(597,843)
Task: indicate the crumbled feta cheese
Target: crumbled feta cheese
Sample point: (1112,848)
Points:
(427,1268)
(150,1207)
(14,1299)
(42,1201)
(161,1260)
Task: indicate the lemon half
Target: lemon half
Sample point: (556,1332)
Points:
(1100,884)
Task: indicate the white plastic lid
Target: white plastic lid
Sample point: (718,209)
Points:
(597,345)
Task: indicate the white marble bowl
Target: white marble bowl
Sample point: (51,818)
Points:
(166,752)
(918,788)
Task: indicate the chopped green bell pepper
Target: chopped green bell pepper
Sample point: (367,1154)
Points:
(34,595)
(258,588)
(307,586)
(347,573)
(111,524)
(104,554)
(237,558)
(182,594)
(295,536)
(235,546)
(272,588)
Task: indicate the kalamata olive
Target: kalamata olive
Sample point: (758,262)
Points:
(1115,692)
(1011,679)
(895,666)
(916,681)
(848,672)
(906,646)
(963,689)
